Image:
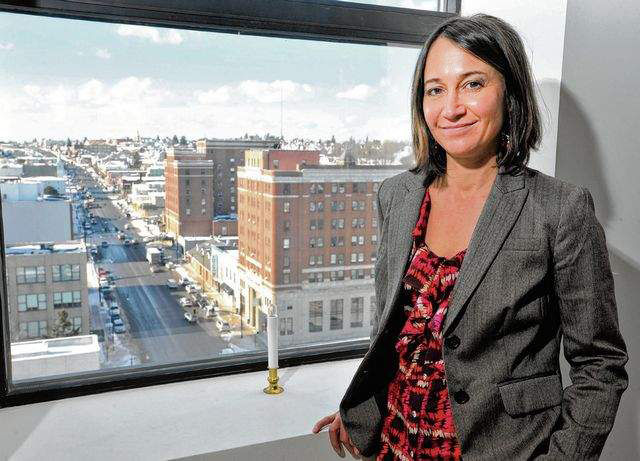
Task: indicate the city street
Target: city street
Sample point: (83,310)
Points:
(155,325)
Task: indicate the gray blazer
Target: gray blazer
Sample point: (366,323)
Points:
(536,270)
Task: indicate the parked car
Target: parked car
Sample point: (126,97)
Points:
(135,242)
(120,236)
(114,311)
(223,326)
(104,243)
(120,328)
(190,317)
(155,268)
(127,242)
(117,321)
(184,302)
(172,284)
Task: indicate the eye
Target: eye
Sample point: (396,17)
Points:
(430,91)
(479,84)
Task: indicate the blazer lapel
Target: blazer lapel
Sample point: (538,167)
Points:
(499,214)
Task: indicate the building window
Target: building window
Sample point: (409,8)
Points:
(30,274)
(62,299)
(286,278)
(276,164)
(312,206)
(286,325)
(188,211)
(357,311)
(360,239)
(34,329)
(285,243)
(286,207)
(337,313)
(286,189)
(76,323)
(286,261)
(315,316)
(65,272)
(32,302)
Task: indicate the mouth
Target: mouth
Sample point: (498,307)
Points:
(458,128)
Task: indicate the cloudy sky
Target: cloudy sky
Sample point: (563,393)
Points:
(66,78)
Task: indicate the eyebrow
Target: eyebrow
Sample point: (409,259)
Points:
(466,74)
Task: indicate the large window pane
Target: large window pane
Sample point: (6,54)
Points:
(265,138)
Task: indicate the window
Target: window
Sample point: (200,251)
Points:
(286,188)
(357,311)
(35,329)
(285,243)
(336,315)
(30,274)
(32,302)
(276,164)
(315,316)
(62,299)
(286,261)
(65,272)
(286,325)
(286,207)
(86,92)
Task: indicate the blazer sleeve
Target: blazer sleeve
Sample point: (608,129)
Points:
(593,344)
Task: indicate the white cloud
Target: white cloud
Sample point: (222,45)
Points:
(33,91)
(358,92)
(7,46)
(103,53)
(268,92)
(217,96)
(169,36)
(93,92)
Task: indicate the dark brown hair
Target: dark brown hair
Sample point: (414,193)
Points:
(495,42)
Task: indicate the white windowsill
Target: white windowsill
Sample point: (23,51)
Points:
(176,420)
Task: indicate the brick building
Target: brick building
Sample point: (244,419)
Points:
(201,185)
(307,244)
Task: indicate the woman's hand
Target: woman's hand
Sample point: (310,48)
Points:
(337,434)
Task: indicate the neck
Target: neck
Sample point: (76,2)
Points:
(467,177)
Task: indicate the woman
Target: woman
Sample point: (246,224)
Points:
(483,266)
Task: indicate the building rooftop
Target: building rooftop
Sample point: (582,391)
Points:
(45,248)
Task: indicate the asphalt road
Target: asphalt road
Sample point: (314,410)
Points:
(156,320)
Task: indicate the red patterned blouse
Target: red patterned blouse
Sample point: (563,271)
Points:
(419,423)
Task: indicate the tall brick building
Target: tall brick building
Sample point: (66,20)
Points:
(201,185)
(307,238)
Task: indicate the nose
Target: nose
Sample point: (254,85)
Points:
(453,107)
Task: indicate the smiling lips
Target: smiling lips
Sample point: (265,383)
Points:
(457,128)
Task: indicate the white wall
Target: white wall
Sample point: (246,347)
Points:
(598,148)
(541,26)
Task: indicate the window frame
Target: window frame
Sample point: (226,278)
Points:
(316,20)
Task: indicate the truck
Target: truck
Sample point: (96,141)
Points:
(154,256)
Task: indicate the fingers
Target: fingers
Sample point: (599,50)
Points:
(334,438)
(322,423)
(346,441)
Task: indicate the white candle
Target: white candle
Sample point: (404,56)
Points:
(272,340)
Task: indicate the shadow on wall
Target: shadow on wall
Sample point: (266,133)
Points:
(579,161)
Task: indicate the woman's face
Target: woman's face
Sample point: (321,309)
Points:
(462,101)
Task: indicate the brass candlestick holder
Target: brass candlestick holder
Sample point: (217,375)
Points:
(273,387)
